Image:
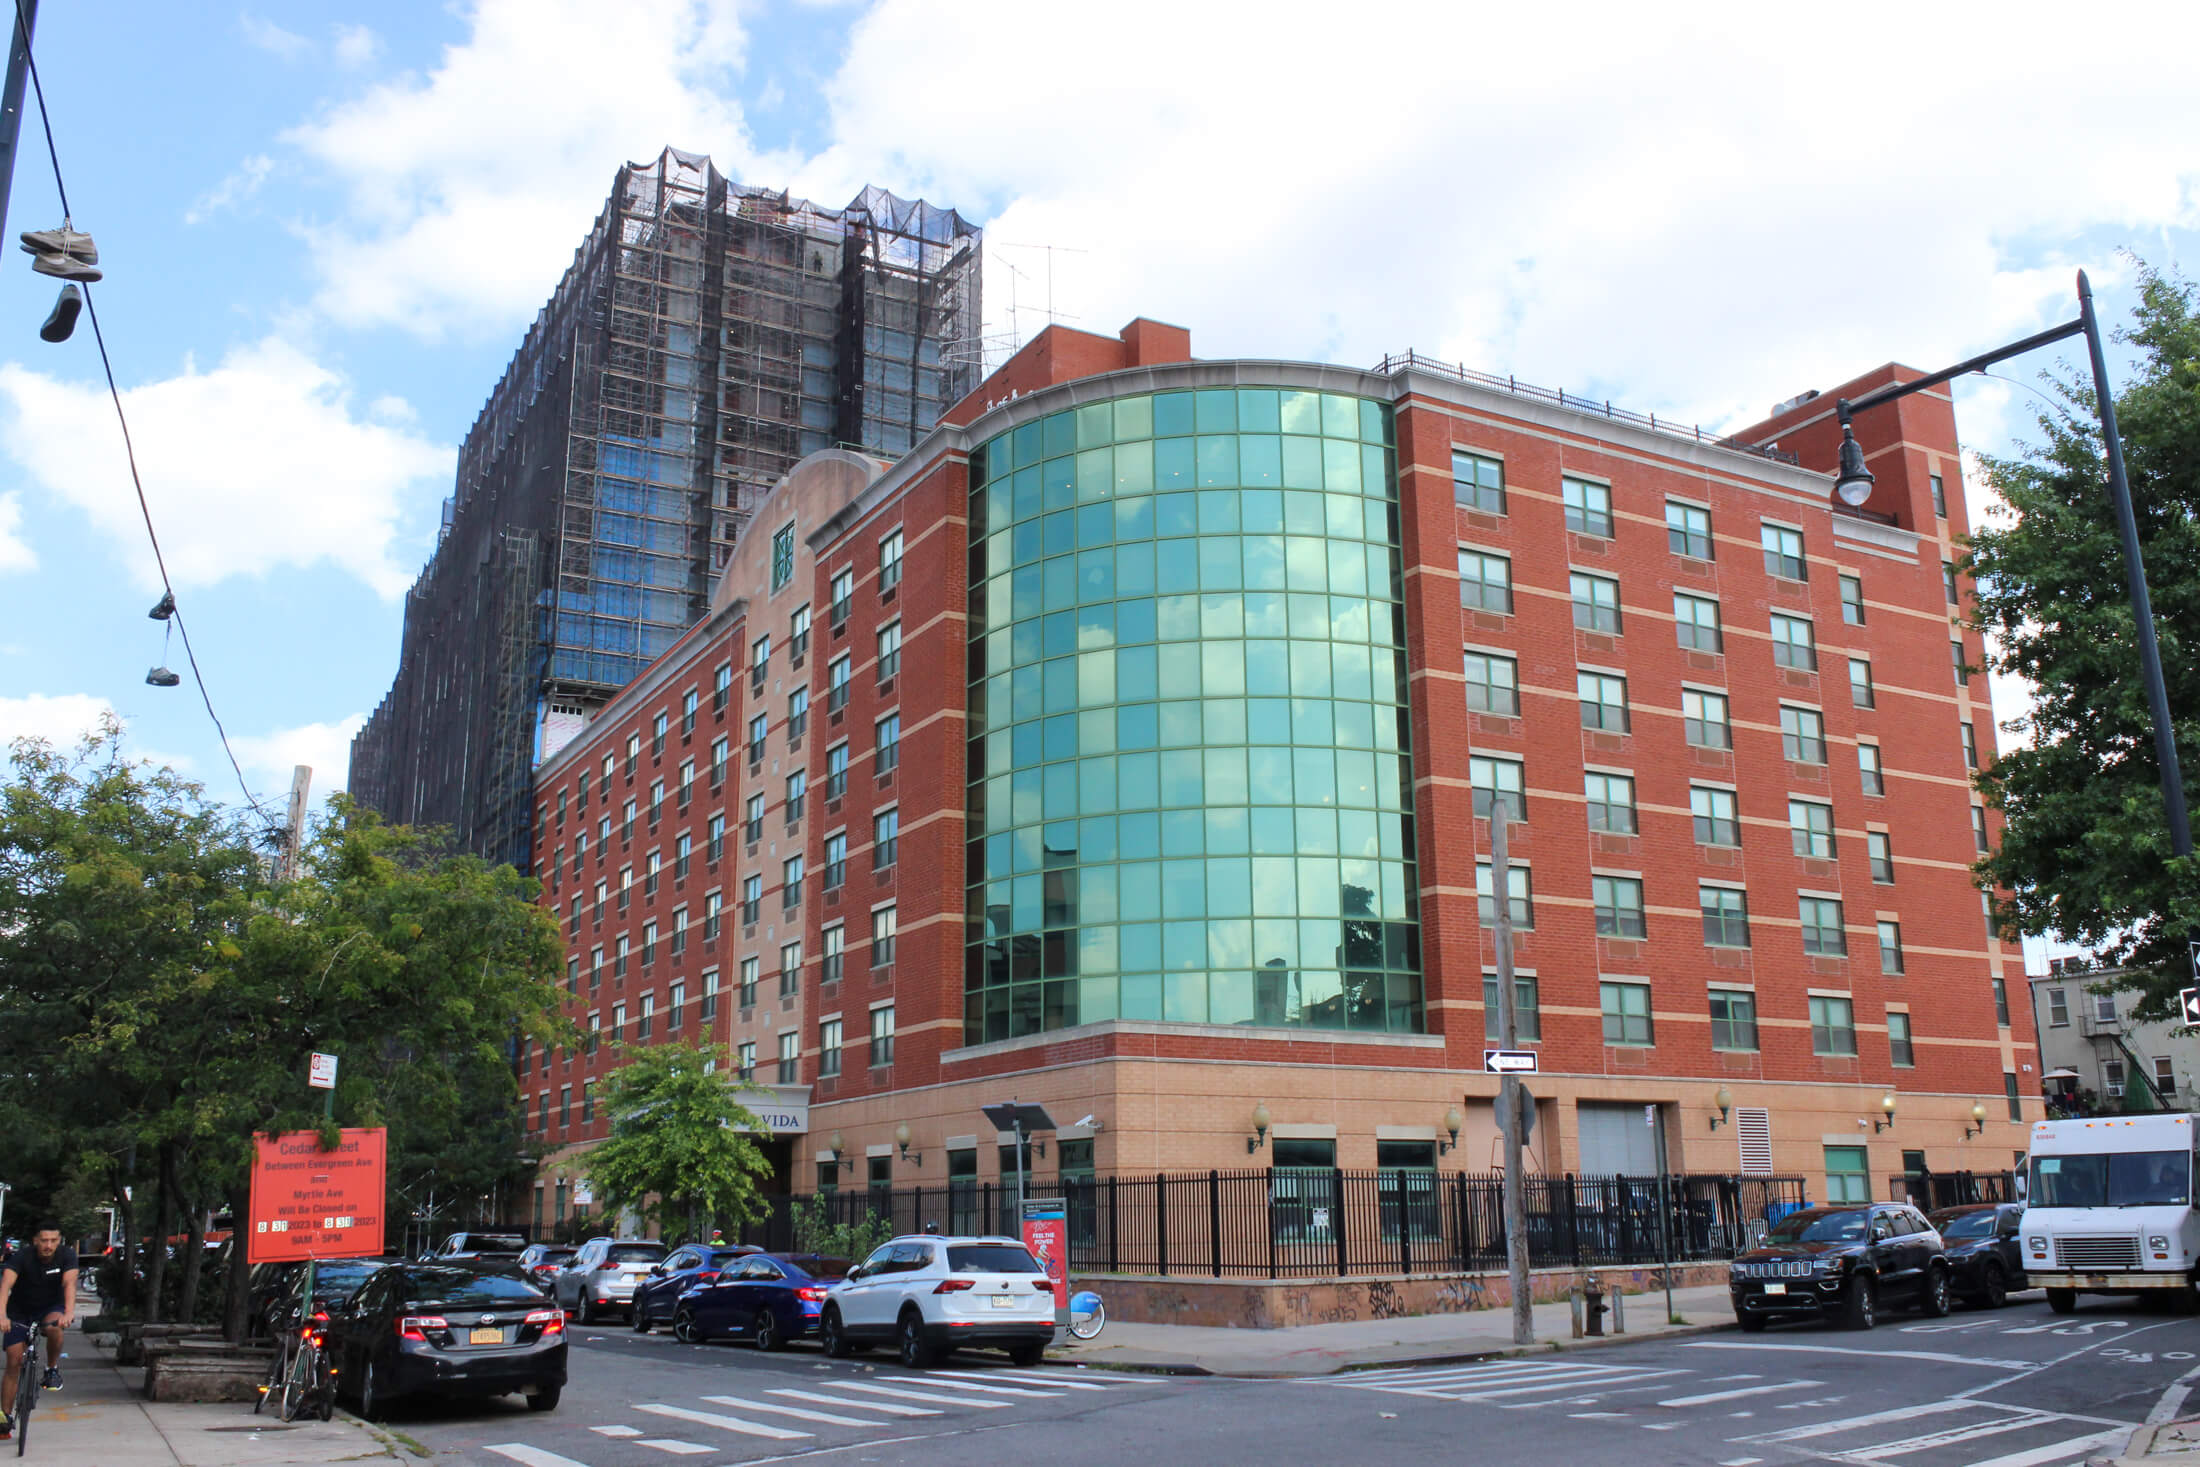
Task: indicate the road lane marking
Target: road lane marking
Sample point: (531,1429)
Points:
(528,1456)
(1024,1378)
(879,1390)
(614,1431)
(677,1448)
(882,1406)
(1741,1462)
(932,1378)
(1711,1397)
(797,1412)
(2052,1452)
(728,1423)
(1873,1354)
(1876,1418)
(1953,1436)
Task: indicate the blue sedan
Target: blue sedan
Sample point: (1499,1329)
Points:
(769,1298)
(657,1297)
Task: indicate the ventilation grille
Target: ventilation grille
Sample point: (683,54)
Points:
(2097,1253)
(1753,1137)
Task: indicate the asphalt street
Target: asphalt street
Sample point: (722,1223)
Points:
(2019,1387)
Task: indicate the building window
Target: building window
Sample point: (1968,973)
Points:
(835,956)
(882,937)
(1948,585)
(707,1009)
(790,969)
(1626,1012)
(836,771)
(1520,890)
(1823,935)
(745,1061)
(1940,497)
(1970,745)
(1955,658)
(2009,1089)
(713,905)
(647,1016)
(889,651)
(882,1035)
(1596,603)
(1890,948)
(1881,851)
(1848,1174)
(837,676)
(782,556)
(798,634)
(798,793)
(760,657)
(683,852)
(658,728)
(1494,782)
(2112,1078)
(721,693)
(885,839)
(1802,735)
(1733,1019)
(1810,827)
(1784,553)
(618,1022)
(1978,828)
(2104,1008)
(620,953)
(752,821)
(1725,915)
(828,1049)
(1868,769)
(1688,530)
(687,782)
(1696,623)
(1852,600)
(1703,719)
(1527,1008)
(1603,699)
(633,755)
(843,592)
(746,994)
(836,861)
(1493,684)
(1477,482)
(715,846)
(1611,800)
(790,883)
(2165,1076)
(1717,824)
(1860,683)
(889,563)
(1618,901)
(752,899)
(1485,582)
(2058,1009)
(790,1052)
(798,714)
(888,731)
(1832,1026)
(1588,507)
(1793,644)
(2001,1003)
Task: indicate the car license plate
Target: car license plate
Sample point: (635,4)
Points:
(489,1336)
(1776,1288)
(1004,1301)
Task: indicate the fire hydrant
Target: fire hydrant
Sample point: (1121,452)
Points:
(1594,1307)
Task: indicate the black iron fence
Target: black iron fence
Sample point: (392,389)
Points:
(1928,1190)
(1317,1222)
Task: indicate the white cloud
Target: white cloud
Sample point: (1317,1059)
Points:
(356,45)
(231,191)
(325,747)
(468,187)
(61,719)
(258,463)
(15,553)
(273,39)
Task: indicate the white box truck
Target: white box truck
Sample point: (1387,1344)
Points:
(2108,1208)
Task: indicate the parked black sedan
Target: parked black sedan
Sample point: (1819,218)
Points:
(697,1263)
(276,1288)
(449,1329)
(1843,1262)
(1983,1249)
(768,1299)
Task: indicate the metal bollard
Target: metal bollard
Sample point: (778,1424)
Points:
(1619,1312)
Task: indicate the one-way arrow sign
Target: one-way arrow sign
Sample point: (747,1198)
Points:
(1508,1061)
(2189,997)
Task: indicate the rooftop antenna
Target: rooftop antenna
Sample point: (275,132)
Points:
(1051,250)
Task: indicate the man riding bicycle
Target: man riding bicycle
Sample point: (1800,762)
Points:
(37,1292)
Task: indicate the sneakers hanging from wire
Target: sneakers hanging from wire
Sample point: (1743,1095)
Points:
(163,612)
(67,240)
(66,308)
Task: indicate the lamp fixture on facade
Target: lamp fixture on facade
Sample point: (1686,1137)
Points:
(1978,1120)
(1452,1122)
(901,1139)
(841,1158)
(1886,1103)
(1259,1138)
(1724,1100)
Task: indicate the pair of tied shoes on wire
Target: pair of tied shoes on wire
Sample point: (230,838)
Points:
(69,255)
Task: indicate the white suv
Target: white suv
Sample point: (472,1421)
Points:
(601,1278)
(928,1295)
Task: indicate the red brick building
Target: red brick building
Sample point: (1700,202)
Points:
(1125,746)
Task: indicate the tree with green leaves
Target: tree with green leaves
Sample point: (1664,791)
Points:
(2085,851)
(682,1151)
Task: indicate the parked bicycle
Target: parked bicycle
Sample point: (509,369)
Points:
(26,1394)
(302,1376)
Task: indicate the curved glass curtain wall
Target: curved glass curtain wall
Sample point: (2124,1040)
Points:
(1190,786)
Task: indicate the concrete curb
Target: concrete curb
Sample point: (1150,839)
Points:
(1345,1366)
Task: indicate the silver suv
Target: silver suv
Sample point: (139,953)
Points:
(602,1277)
(928,1295)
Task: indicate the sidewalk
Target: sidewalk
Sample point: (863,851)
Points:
(1323,1349)
(101,1421)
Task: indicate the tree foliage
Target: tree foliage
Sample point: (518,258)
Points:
(816,1232)
(681,1152)
(159,992)
(2085,852)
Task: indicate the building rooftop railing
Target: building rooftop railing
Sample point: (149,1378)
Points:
(1399,361)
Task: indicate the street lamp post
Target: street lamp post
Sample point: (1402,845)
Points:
(1854,482)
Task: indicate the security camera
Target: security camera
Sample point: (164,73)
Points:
(1861,1123)
(1090,1123)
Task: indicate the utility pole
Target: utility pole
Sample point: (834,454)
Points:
(294,829)
(23,20)
(1508,1085)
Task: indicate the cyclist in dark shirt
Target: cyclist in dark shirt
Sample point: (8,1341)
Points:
(37,1292)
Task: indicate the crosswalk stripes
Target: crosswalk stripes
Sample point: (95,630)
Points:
(528,1456)
(797,1412)
(1052,1382)
(725,1423)
(938,1400)
(825,1400)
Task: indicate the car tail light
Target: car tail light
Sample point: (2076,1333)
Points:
(811,1292)
(416,1326)
(952,1286)
(1043,1286)
(551,1320)
(706,1275)
(607,1266)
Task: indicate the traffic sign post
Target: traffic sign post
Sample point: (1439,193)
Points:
(1509,1061)
(312,1203)
(2190,998)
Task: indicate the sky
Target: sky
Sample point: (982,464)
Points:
(326,226)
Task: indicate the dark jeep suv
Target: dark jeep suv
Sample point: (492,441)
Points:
(1843,1261)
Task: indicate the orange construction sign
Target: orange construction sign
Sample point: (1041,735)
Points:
(310,1203)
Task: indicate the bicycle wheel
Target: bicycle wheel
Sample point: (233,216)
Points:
(271,1389)
(26,1395)
(1087,1316)
(299,1384)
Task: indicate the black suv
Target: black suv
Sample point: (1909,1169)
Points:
(1844,1261)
